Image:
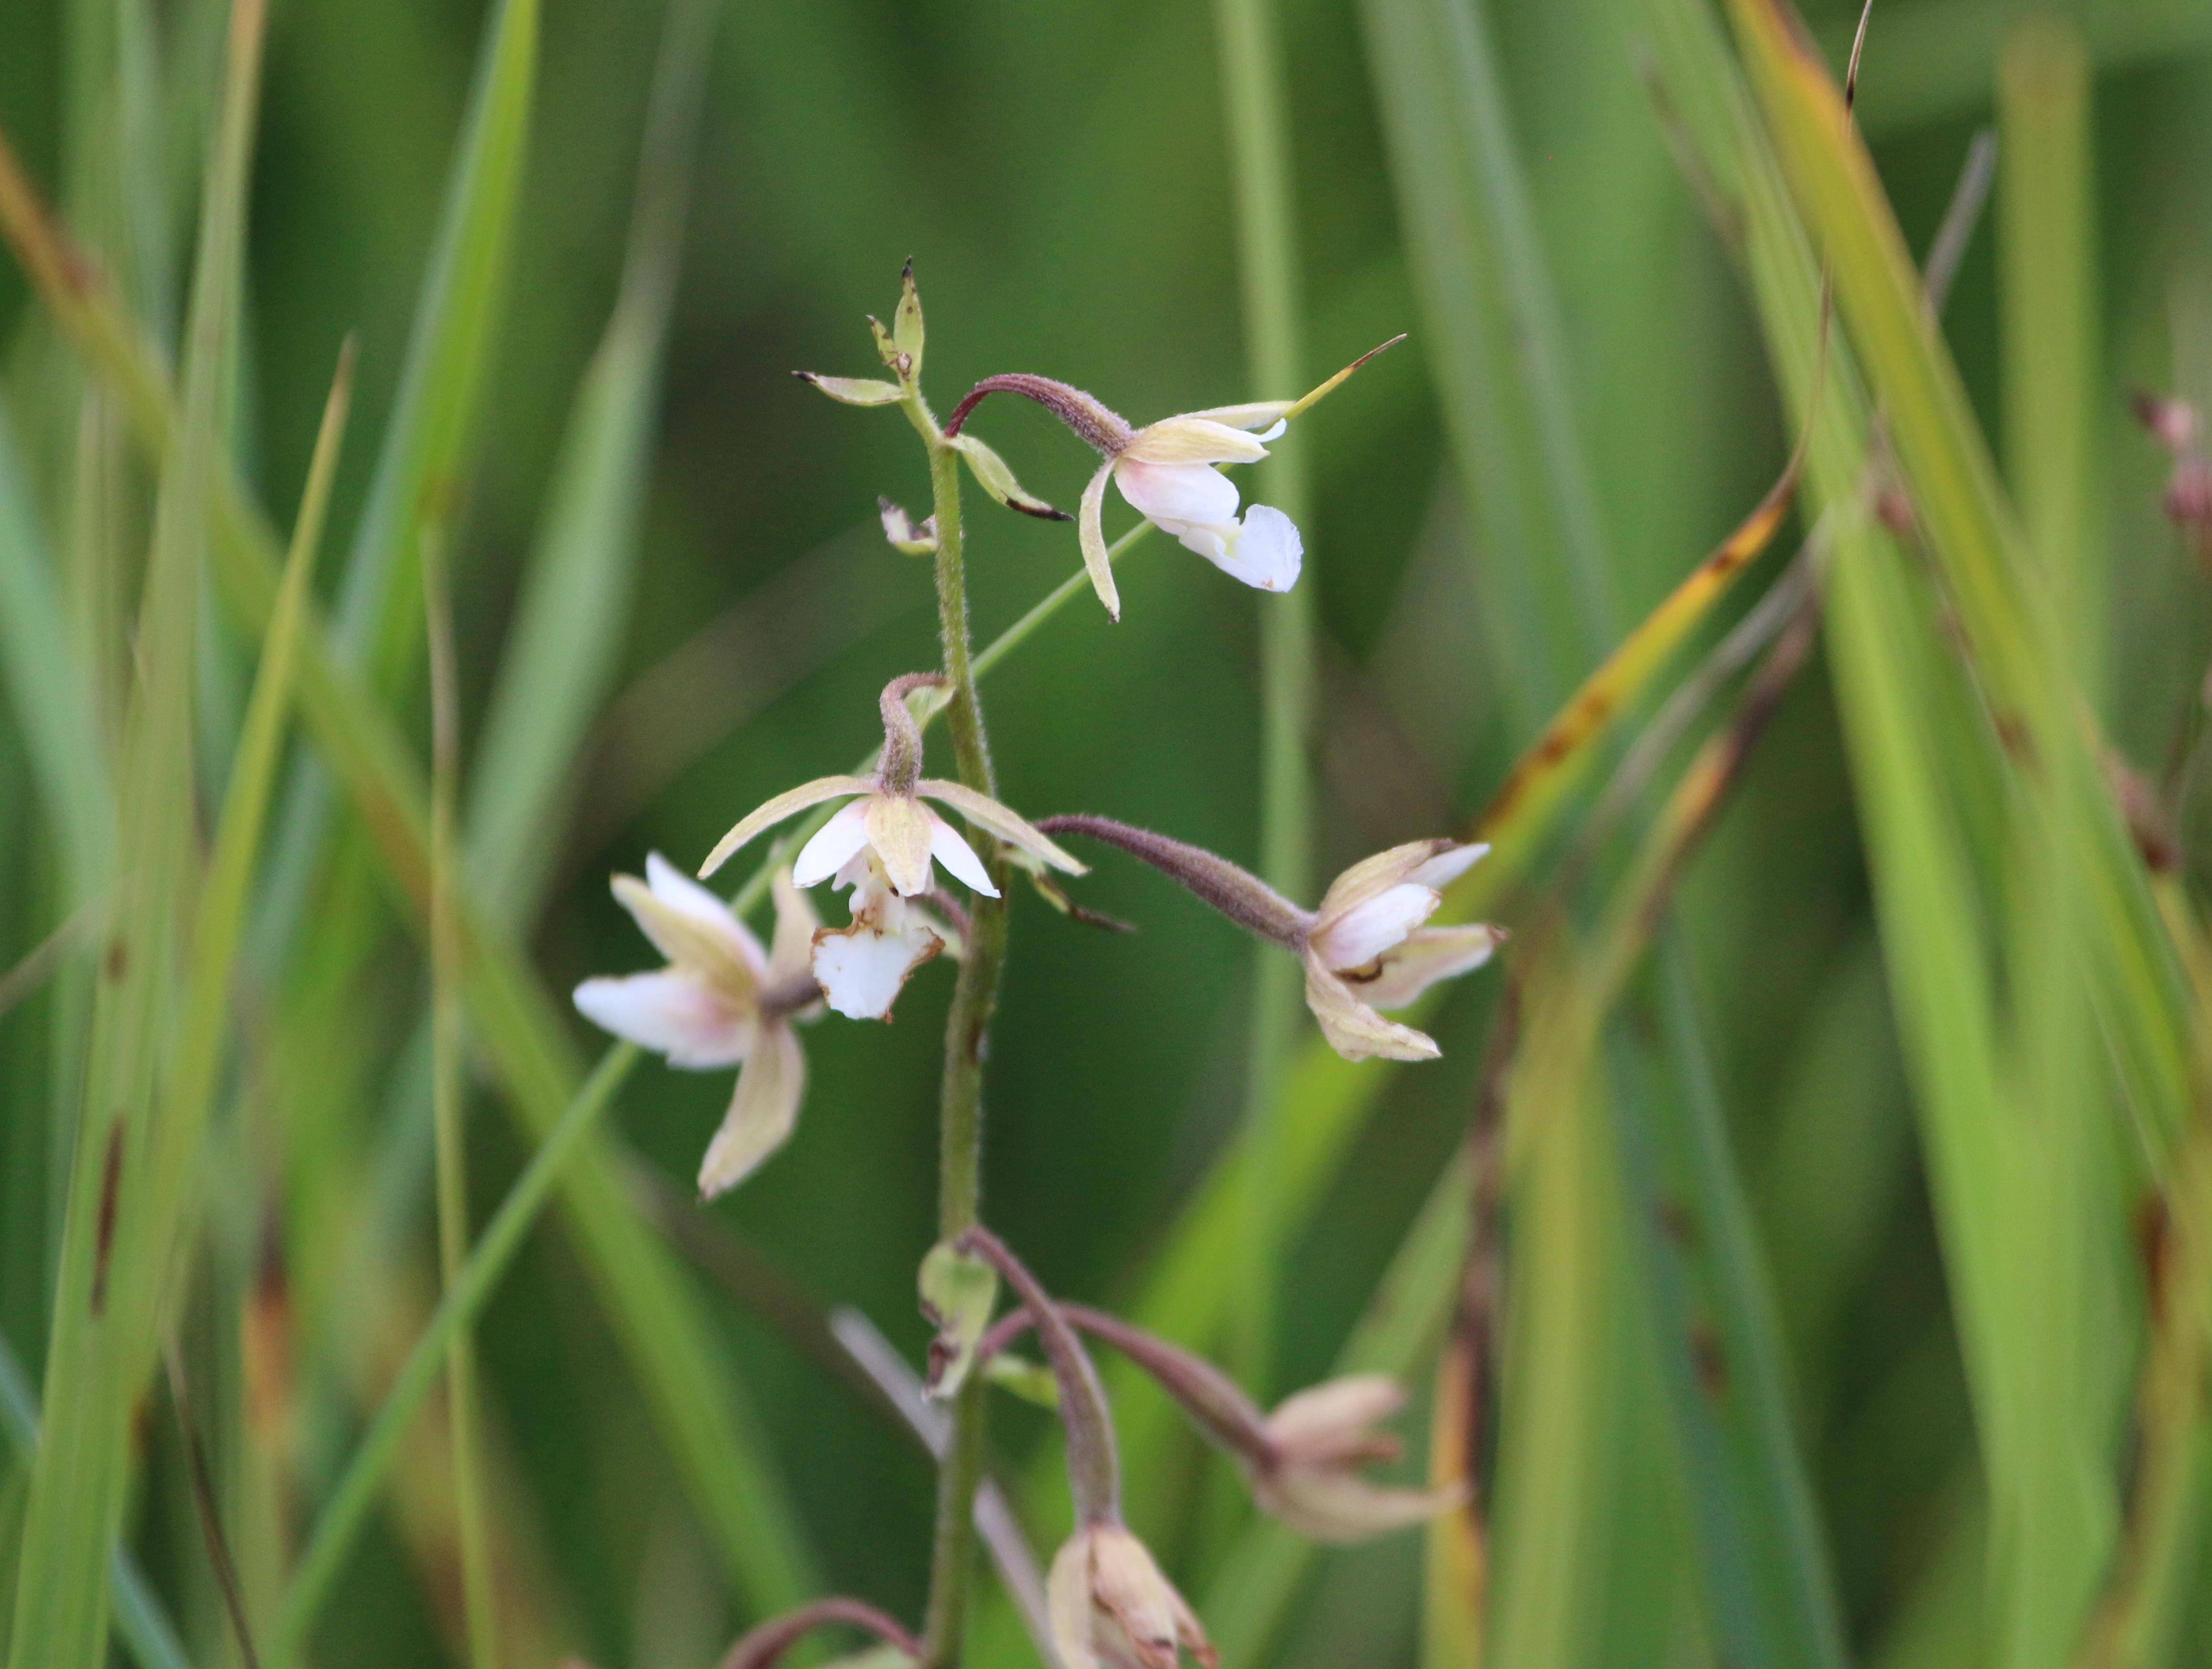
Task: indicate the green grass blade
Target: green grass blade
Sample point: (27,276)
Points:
(52,702)
(426,441)
(2052,388)
(1491,332)
(141,1622)
(568,634)
(348,1507)
(114,1247)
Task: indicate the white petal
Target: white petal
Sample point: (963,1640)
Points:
(839,838)
(947,845)
(861,968)
(671,1014)
(680,892)
(1067,1603)
(898,827)
(1448,866)
(1266,553)
(762,1112)
(1375,924)
(1427,956)
(1349,1404)
(1195,493)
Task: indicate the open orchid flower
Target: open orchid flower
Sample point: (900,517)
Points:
(884,844)
(1170,473)
(1367,948)
(720,1002)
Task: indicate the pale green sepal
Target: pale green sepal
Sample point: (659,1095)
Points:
(856,391)
(1032,1382)
(958,1292)
(906,323)
(998,481)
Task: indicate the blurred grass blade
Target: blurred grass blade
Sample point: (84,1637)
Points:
(660,1320)
(425,454)
(568,633)
(569,1141)
(52,700)
(141,1623)
(1491,328)
(115,1246)
(2053,388)
(447,1109)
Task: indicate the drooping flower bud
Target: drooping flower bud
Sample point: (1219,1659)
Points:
(1112,1609)
(1320,1443)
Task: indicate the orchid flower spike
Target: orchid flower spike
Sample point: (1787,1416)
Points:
(1366,948)
(1170,472)
(883,845)
(720,1002)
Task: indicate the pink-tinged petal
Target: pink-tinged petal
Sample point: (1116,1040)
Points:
(959,859)
(899,828)
(862,968)
(1176,495)
(1354,1030)
(680,892)
(1322,1411)
(762,1112)
(1430,954)
(1373,925)
(672,1014)
(1338,1508)
(833,843)
(1091,534)
(1266,553)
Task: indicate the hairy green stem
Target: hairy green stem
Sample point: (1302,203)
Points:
(1266,258)
(960,1161)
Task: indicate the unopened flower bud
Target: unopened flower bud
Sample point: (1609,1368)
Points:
(906,323)
(1112,1609)
(1319,1442)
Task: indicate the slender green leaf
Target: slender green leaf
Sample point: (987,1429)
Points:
(127,1166)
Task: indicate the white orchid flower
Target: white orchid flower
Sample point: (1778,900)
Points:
(1367,948)
(720,1002)
(884,844)
(1170,473)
